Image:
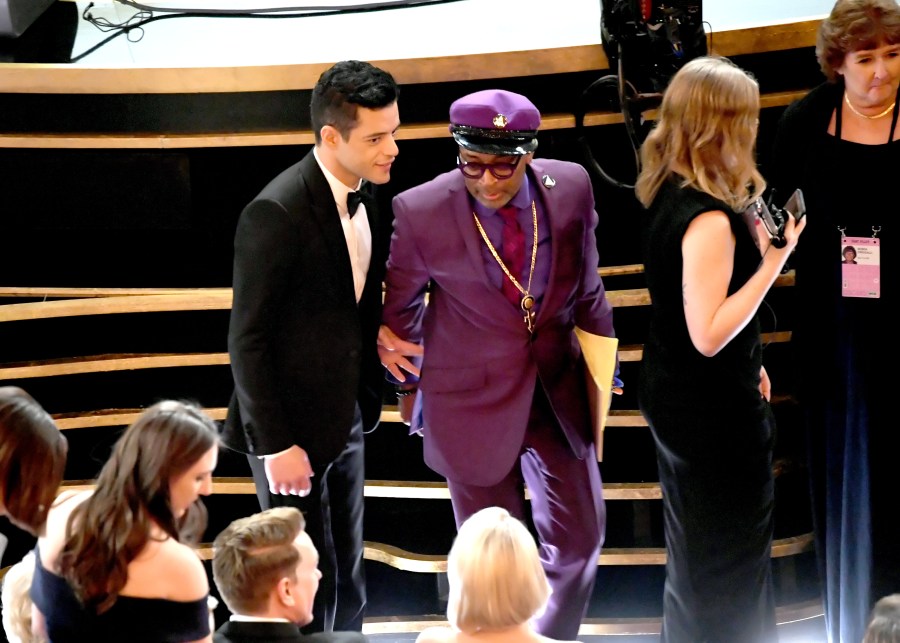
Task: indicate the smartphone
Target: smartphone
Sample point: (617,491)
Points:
(796,206)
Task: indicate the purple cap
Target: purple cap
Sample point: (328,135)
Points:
(496,122)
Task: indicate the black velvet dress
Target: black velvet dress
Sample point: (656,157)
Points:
(714,435)
(847,355)
(132,619)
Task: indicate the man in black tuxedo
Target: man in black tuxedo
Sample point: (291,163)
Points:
(308,270)
(265,569)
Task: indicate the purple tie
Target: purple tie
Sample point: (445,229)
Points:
(512,251)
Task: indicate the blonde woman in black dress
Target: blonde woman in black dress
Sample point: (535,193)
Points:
(702,386)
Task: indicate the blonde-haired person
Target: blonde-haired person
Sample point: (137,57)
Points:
(116,563)
(841,144)
(702,385)
(497,583)
(17,602)
(884,623)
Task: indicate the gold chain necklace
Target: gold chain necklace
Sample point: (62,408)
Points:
(527,303)
(871,118)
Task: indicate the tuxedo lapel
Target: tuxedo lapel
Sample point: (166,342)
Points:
(371,207)
(465,223)
(372,215)
(324,210)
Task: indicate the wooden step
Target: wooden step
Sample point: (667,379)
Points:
(140,361)
(408,132)
(77,302)
(437,563)
(404,489)
(611,626)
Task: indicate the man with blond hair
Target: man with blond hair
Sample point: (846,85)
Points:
(266,569)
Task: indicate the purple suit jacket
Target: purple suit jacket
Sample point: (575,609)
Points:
(481,364)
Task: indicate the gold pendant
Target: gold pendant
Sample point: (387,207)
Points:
(527,305)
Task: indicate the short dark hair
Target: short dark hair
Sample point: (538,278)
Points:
(252,554)
(343,88)
(854,25)
(32,458)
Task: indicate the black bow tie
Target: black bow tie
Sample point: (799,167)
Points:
(355,198)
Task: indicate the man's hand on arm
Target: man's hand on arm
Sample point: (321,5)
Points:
(394,351)
(289,472)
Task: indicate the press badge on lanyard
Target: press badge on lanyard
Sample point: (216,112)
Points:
(861,266)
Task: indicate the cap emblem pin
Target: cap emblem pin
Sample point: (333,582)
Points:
(500,121)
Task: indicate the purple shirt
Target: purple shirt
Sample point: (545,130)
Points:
(492,223)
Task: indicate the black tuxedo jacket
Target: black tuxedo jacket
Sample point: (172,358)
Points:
(243,632)
(303,353)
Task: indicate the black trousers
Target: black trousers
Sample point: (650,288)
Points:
(334,522)
(718,499)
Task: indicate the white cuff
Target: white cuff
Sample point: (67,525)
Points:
(272,455)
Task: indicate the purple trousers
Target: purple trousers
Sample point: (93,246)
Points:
(567,510)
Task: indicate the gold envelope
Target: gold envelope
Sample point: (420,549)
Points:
(600,358)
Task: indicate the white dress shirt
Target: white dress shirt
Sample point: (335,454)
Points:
(241,618)
(357,232)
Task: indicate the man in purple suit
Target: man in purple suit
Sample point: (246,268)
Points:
(504,247)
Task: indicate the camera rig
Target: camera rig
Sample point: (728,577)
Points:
(646,42)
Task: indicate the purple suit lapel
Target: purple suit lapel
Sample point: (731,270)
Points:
(557,216)
(465,223)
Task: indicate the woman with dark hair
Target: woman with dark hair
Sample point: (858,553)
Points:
(32,459)
(841,145)
(703,387)
(115,564)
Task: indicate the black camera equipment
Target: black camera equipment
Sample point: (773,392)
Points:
(774,218)
(646,42)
